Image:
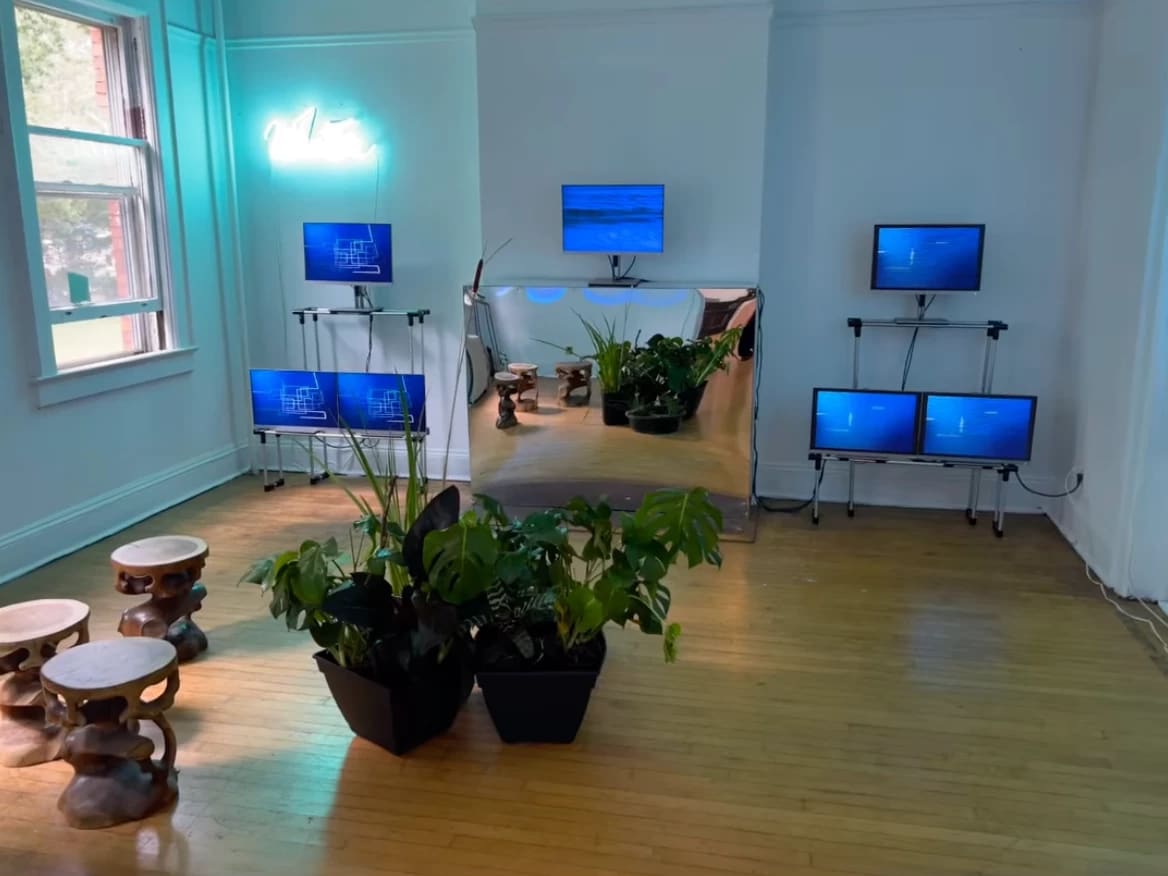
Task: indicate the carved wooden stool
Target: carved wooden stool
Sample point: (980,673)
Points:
(528,375)
(95,692)
(30,633)
(573,376)
(506,384)
(167,567)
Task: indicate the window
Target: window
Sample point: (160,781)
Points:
(92,139)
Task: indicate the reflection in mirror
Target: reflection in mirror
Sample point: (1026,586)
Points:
(612,392)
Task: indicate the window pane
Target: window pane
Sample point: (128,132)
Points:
(59,159)
(64,72)
(91,237)
(97,340)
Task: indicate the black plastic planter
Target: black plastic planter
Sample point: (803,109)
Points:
(402,717)
(614,409)
(691,400)
(654,424)
(538,706)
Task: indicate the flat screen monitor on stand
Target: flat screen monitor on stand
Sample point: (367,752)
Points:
(358,254)
(927,260)
(614,221)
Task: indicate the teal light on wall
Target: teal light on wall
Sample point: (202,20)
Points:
(306,140)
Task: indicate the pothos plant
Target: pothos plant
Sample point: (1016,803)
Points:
(542,598)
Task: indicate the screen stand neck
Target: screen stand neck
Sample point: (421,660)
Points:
(617,279)
(361,299)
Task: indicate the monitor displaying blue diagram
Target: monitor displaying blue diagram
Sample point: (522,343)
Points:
(991,427)
(353,253)
(864,421)
(614,219)
(382,402)
(294,400)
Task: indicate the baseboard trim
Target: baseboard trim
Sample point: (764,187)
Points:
(40,543)
(897,486)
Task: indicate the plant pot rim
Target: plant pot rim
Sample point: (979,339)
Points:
(539,673)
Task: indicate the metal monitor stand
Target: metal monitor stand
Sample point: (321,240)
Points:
(993,330)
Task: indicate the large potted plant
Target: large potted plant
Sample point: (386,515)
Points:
(395,655)
(612,356)
(542,600)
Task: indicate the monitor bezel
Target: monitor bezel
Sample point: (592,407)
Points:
(563,228)
(911,290)
(923,414)
(876,454)
(302,430)
(349,285)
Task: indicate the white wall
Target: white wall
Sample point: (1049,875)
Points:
(586,91)
(882,113)
(1118,356)
(79,470)
(413,92)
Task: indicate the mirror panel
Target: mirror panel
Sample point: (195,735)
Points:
(549,449)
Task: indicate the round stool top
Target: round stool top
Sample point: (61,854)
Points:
(521,367)
(574,366)
(39,619)
(160,550)
(505,377)
(106,667)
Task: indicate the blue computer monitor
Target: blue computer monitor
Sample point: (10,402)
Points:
(927,258)
(302,401)
(990,427)
(864,421)
(353,253)
(614,219)
(382,402)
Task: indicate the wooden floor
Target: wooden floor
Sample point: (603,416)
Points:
(895,695)
(556,444)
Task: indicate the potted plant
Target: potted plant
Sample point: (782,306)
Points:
(659,373)
(542,601)
(396,657)
(612,357)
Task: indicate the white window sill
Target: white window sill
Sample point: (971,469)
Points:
(109,376)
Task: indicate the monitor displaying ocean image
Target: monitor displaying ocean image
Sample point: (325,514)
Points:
(928,258)
(614,219)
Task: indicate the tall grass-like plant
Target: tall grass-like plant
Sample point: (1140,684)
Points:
(611,353)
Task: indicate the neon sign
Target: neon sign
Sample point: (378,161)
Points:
(303,141)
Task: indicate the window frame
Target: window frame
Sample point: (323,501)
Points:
(143,22)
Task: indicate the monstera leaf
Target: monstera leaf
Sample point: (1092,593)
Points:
(685,521)
(440,513)
(460,561)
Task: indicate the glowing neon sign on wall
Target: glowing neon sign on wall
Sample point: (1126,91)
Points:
(303,141)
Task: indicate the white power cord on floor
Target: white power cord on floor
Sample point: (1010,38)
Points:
(1143,620)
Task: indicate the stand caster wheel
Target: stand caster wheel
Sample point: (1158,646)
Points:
(815,519)
(999,532)
(851,512)
(970,517)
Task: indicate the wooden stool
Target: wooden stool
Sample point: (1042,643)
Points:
(30,633)
(506,384)
(573,376)
(528,375)
(95,692)
(167,567)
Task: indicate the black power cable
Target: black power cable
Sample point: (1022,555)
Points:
(793,509)
(1062,495)
(922,308)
